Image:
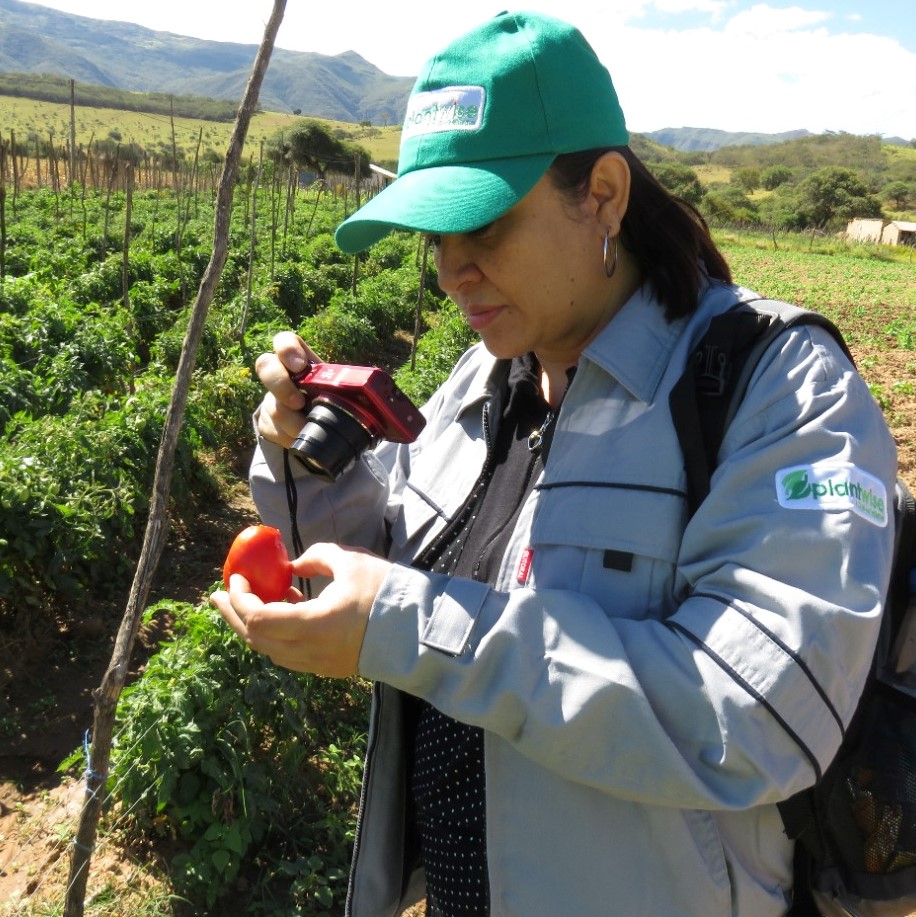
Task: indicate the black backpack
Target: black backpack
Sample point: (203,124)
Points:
(855,829)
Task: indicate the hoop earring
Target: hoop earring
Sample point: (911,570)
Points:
(609,266)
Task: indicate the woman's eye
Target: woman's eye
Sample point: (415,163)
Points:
(481,230)
(434,240)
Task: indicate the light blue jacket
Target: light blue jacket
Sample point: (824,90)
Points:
(640,723)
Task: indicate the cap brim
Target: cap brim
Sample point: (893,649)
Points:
(443,199)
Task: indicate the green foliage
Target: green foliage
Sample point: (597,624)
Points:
(166,350)
(826,199)
(73,517)
(748,178)
(320,283)
(51,88)
(57,350)
(251,769)
(311,146)
(680,180)
(220,405)
(295,296)
(85,378)
(339,334)
(806,154)
(835,194)
(388,300)
(437,352)
(728,204)
(899,193)
(775,176)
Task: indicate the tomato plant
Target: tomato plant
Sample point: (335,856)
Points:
(258,553)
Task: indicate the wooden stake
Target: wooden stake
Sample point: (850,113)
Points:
(72,131)
(107,694)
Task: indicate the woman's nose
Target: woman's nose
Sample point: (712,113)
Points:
(454,264)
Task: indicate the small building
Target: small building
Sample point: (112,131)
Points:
(887,232)
(864,230)
(899,232)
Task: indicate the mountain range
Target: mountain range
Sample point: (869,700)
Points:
(343,87)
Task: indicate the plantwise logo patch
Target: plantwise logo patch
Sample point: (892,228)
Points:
(453,108)
(833,485)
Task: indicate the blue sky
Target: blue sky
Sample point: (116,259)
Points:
(736,65)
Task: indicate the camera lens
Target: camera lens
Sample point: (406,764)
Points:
(331,440)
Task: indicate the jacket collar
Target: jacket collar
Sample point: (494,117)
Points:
(635,346)
(488,382)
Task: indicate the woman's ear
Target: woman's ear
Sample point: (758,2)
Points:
(609,188)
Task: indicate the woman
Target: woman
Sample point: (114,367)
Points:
(585,704)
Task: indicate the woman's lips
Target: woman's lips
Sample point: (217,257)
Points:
(479,318)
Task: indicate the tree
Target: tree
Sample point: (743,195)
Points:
(679,180)
(775,176)
(898,193)
(310,146)
(728,204)
(747,177)
(832,195)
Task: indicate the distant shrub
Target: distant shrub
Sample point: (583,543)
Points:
(337,334)
(437,352)
(774,177)
(388,300)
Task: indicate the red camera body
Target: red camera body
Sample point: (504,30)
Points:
(366,393)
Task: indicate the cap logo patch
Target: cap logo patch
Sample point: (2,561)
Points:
(452,108)
(833,485)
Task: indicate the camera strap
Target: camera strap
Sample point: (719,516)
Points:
(292,505)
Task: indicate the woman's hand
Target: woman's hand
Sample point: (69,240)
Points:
(279,417)
(323,635)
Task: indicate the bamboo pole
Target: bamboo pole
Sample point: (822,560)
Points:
(106,696)
(37,163)
(418,314)
(125,260)
(72,131)
(2,209)
(252,245)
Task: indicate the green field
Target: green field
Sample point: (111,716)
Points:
(90,339)
(28,119)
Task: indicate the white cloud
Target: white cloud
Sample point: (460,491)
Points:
(690,6)
(763,21)
(763,70)
(759,68)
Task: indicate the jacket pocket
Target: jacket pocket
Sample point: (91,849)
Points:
(618,544)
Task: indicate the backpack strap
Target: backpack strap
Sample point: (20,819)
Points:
(905,552)
(713,385)
(703,404)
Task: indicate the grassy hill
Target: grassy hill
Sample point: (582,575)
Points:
(107,114)
(29,120)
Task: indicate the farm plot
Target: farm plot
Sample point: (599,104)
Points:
(84,376)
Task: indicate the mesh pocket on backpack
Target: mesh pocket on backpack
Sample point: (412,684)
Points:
(871,799)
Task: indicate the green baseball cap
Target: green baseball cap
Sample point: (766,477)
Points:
(485,119)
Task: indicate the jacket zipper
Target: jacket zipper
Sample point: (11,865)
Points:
(420,560)
(377,706)
(363,793)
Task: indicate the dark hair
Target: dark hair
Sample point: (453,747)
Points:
(666,235)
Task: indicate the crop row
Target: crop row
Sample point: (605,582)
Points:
(249,771)
(90,338)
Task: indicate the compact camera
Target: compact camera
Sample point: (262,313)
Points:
(351,408)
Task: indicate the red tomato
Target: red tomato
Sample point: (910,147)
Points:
(258,553)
